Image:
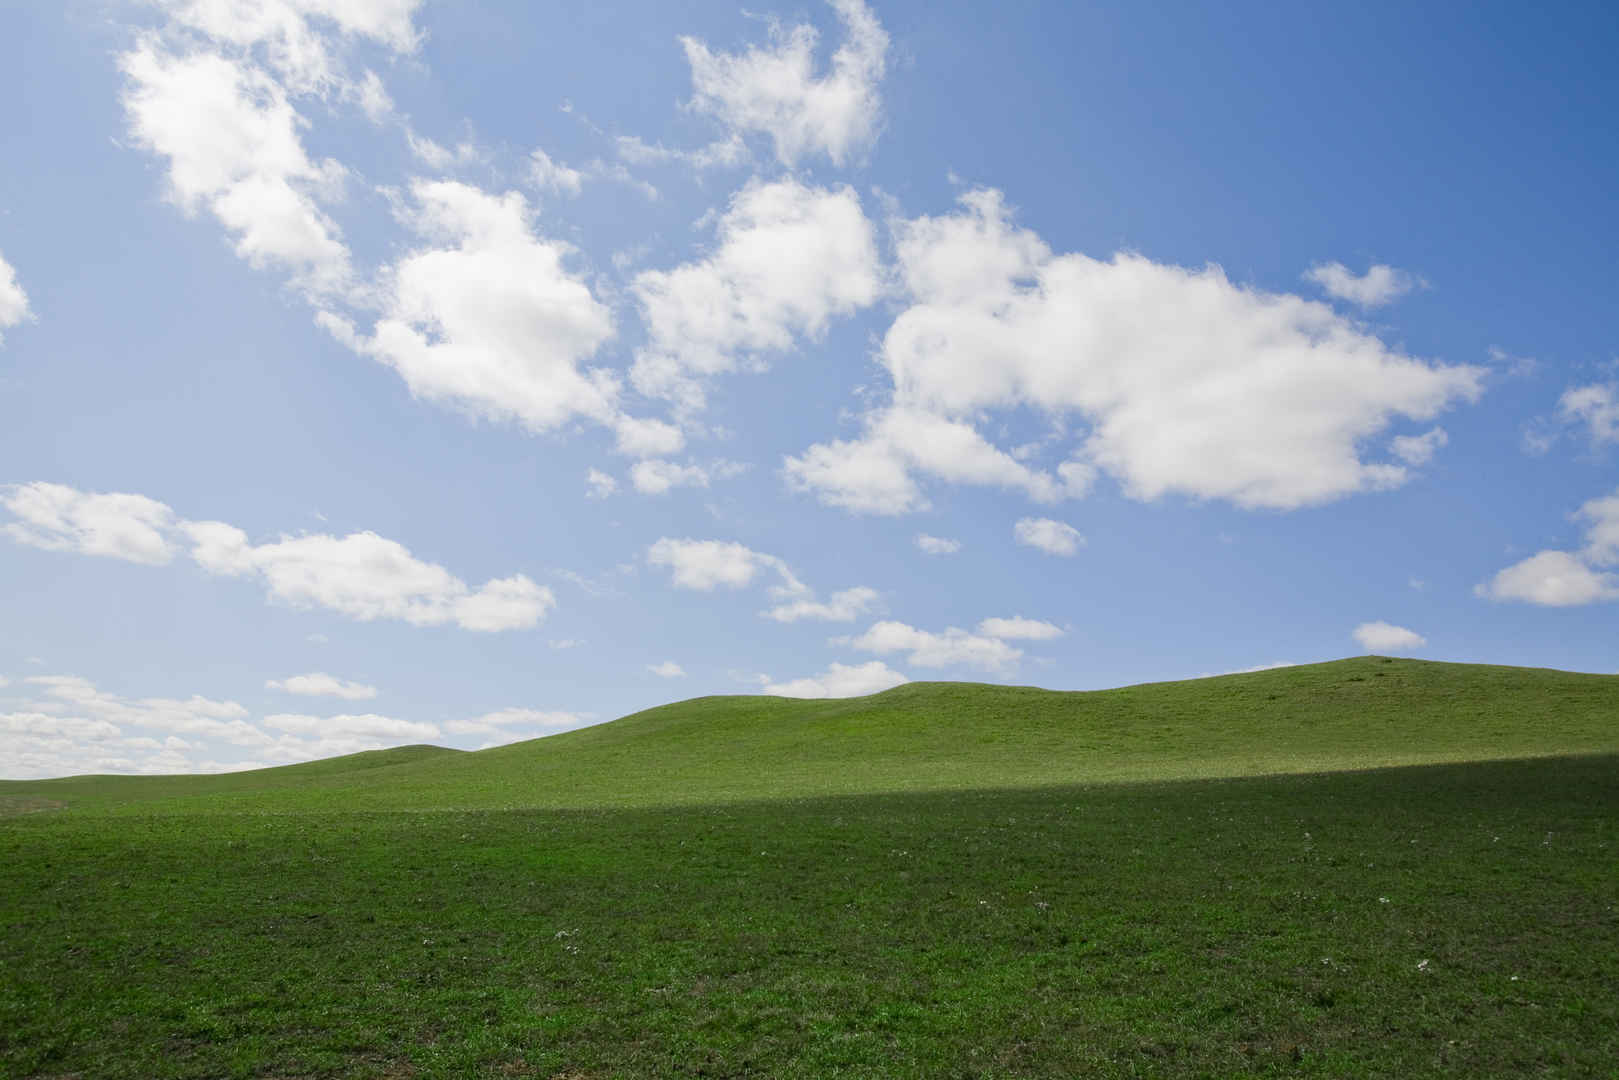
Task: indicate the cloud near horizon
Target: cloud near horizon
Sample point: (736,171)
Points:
(1555,578)
(362,575)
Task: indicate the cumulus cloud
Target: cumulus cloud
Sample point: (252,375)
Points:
(1567,578)
(486,315)
(232,140)
(937,545)
(1596,407)
(789,259)
(1183,382)
(293,38)
(1051,537)
(1017,628)
(1419,449)
(646,437)
(657,477)
(705,565)
(1378,286)
(119,526)
(774,90)
(844,606)
(668,670)
(320,684)
(949,648)
(361,575)
(367,577)
(347,725)
(840,681)
(599,485)
(13,300)
(550,175)
(875,474)
(1382,637)
(505,719)
(71,695)
(724,152)
(212,91)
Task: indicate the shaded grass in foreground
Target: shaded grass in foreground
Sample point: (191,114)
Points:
(1255,927)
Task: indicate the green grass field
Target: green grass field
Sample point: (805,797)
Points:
(1365,868)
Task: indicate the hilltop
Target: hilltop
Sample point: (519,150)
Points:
(1357,713)
(1327,871)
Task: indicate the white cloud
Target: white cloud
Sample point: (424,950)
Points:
(1382,637)
(599,485)
(1552,579)
(646,437)
(362,575)
(59,518)
(1563,578)
(231,137)
(840,681)
(708,564)
(937,545)
(725,152)
(1419,449)
(437,156)
(350,726)
(790,258)
(774,90)
(68,727)
(1378,286)
(74,696)
(487,317)
(1018,628)
(668,670)
(1051,537)
(656,477)
(13,300)
(551,175)
(873,474)
(1596,406)
(950,648)
(1182,381)
(367,577)
(292,35)
(705,565)
(504,720)
(844,606)
(320,684)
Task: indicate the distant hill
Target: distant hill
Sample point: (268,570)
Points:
(934,736)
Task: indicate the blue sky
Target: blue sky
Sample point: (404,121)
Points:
(377,371)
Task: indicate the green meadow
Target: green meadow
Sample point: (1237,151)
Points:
(1371,867)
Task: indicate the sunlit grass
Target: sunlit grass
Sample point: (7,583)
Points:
(1451,919)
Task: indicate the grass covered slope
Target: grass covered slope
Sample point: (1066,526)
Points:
(1349,714)
(944,880)
(1449,920)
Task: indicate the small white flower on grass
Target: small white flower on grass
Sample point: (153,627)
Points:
(1422,965)
(1382,899)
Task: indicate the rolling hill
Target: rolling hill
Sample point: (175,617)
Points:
(1366,868)
(1358,713)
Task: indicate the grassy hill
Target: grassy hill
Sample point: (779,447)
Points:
(943,880)
(1348,714)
